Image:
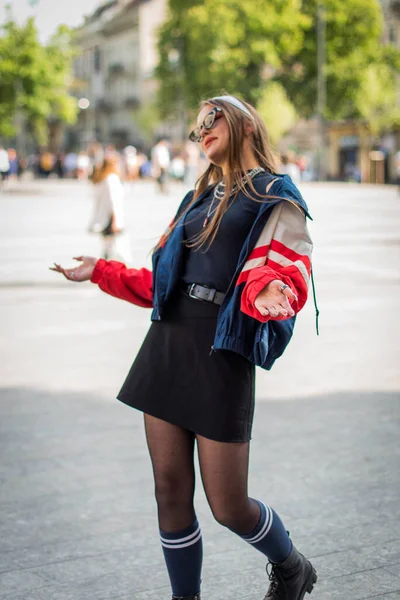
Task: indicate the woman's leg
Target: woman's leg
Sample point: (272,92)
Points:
(171,451)
(224,471)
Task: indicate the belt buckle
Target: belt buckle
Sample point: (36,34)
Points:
(191,292)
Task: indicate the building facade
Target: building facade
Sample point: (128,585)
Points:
(114,71)
(352,151)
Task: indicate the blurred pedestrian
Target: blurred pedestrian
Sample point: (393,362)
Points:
(59,165)
(177,168)
(144,165)
(290,167)
(108,211)
(160,162)
(130,163)
(71,164)
(96,154)
(46,163)
(4,163)
(83,165)
(229,275)
(13,160)
(192,158)
(397,168)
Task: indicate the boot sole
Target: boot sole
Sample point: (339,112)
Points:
(309,584)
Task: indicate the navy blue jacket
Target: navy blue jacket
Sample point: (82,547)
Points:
(258,339)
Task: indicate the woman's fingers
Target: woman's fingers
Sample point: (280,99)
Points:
(287,307)
(56,267)
(275,310)
(286,291)
(68,273)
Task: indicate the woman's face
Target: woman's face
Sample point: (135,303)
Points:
(215,141)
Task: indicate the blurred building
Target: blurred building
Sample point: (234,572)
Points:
(114,70)
(352,153)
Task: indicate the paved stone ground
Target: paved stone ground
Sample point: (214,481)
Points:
(77,518)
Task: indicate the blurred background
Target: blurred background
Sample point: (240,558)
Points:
(324,74)
(93,92)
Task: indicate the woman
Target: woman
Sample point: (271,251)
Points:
(108,208)
(229,276)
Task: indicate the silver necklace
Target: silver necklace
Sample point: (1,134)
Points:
(219,192)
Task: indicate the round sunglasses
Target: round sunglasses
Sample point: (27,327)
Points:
(208,123)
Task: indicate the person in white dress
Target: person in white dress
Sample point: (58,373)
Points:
(108,211)
(160,163)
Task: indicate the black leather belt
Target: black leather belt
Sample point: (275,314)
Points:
(201,292)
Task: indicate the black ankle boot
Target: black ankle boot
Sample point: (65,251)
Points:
(196,597)
(291,579)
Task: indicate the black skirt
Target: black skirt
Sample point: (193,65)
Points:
(177,378)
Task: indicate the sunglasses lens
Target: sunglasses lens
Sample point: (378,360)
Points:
(209,120)
(194,136)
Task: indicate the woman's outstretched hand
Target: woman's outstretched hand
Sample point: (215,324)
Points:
(274,300)
(82,272)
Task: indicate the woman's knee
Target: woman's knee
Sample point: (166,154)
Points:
(172,490)
(233,515)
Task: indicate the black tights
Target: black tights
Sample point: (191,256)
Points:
(224,472)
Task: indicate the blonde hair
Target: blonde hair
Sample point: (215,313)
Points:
(108,167)
(238,122)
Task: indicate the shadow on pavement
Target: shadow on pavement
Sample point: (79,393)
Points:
(79,521)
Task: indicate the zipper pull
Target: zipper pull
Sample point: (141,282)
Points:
(212,350)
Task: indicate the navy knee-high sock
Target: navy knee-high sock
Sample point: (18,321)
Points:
(270,536)
(183,553)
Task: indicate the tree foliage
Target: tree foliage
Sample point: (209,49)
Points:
(34,78)
(376,101)
(245,45)
(276,110)
(353,45)
(208,44)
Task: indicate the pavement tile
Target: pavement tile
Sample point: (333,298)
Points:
(78,517)
(389,596)
(99,539)
(17,582)
(357,585)
(394,569)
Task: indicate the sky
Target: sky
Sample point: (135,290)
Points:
(50,13)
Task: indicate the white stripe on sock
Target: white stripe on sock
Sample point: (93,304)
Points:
(266,527)
(180,540)
(177,546)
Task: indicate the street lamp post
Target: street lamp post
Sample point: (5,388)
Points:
(83,105)
(321,88)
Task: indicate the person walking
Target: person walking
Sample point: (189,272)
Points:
(46,163)
(229,276)
(290,167)
(160,162)
(108,210)
(4,165)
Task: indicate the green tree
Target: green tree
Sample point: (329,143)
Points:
(245,45)
(377,99)
(34,79)
(276,110)
(205,45)
(353,47)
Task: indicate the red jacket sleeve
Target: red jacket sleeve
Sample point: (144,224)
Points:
(283,252)
(116,279)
